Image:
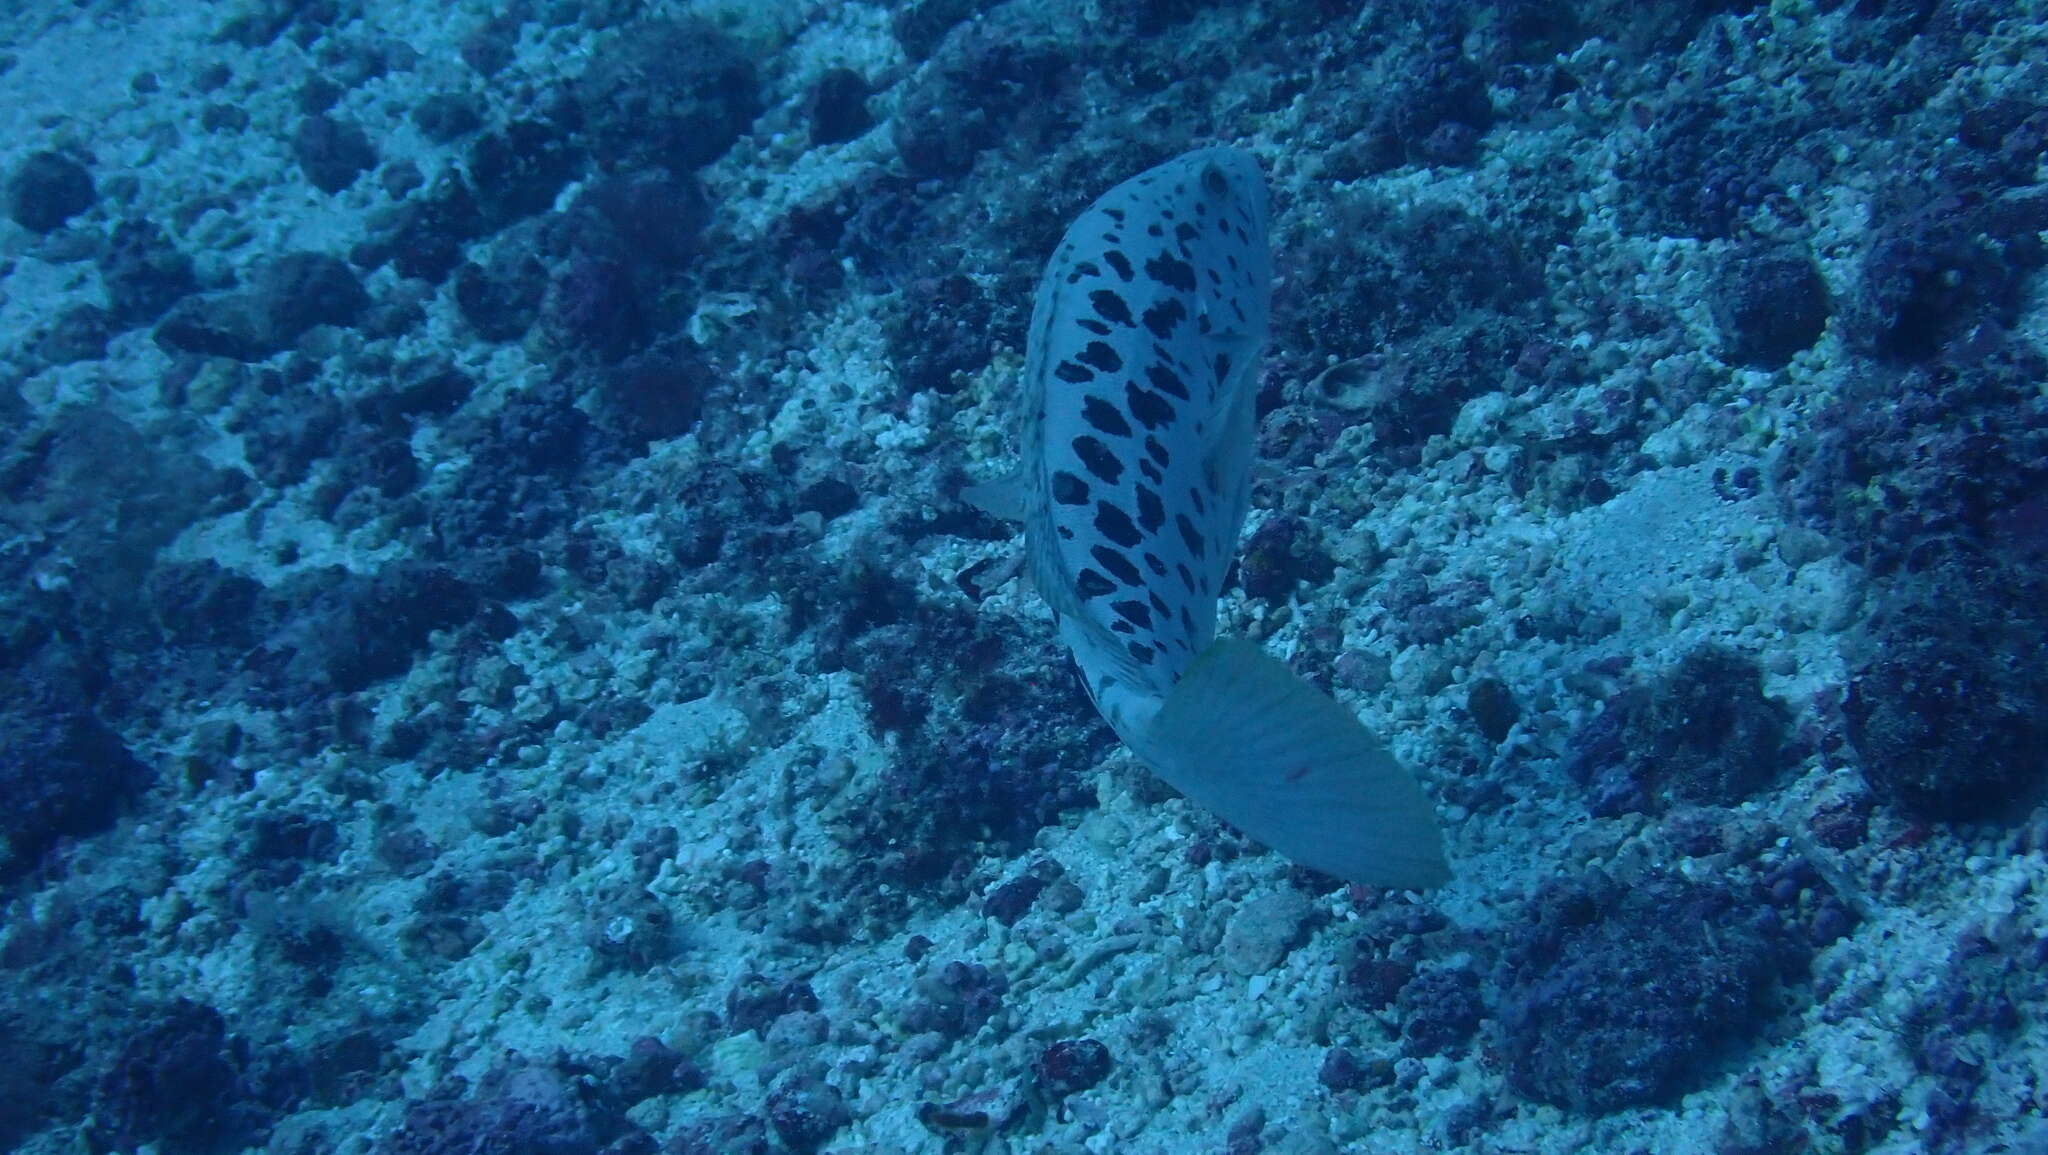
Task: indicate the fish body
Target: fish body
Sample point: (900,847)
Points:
(1137,442)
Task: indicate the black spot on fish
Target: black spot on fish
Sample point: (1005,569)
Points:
(1097,457)
(1142,652)
(1187,577)
(1116,215)
(1118,565)
(1100,356)
(1151,511)
(1115,524)
(1185,232)
(1153,230)
(1188,534)
(1123,627)
(1166,380)
(1119,262)
(1164,315)
(1187,622)
(1093,326)
(1135,612)
(1195,499)
(1088,269)
(1068,489)
(1157,451)
(1172,272)
(1153,563)
(1073,374)
(1110,306)
(1158,604)
(1151,471)
(1105,417)
(1151,410)
(1223,366)
(1065,533)
(1091,584)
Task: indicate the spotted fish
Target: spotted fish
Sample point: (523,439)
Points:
(1137,445)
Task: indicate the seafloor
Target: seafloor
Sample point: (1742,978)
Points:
(495,664)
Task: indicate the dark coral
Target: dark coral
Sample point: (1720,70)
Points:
(1947,712)
(517,170)
(667,93)
(144,273)
(804,1111)
(104,497)
(1626,995)
(1701,733)
(757,1000)
(956,999)
(423,236)
(171,1082)
(1941,263)
(653,395)
(837,106)
(63,772)
(651,1067)
(78,333)
(501,297)
(1707,731)
(1769,304)
(1440,1009)
(1282,554)
(1072,1065)
(343,631)
(1012,900)
(1707,161)
(622,243)
(288,296)
(48,189)
(989,84)
(332,153)
(920,24)
(1492,707)
(1341,1070)
(1956,449)
(520,1105)
(721,1135)
(1437,107)
(446,116)
(514,491)
(941,333)
(1385,275)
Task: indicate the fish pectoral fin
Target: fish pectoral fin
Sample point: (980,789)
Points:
(1244,736)
(1003,497)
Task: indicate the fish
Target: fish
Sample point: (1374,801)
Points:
(1137,442)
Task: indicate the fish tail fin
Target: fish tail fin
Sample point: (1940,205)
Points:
(1246,737)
